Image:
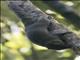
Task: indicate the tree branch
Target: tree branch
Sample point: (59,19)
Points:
(43,29)
(65,11)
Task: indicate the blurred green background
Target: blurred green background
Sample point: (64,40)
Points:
(14,43)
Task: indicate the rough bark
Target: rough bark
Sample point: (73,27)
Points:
(32,16)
